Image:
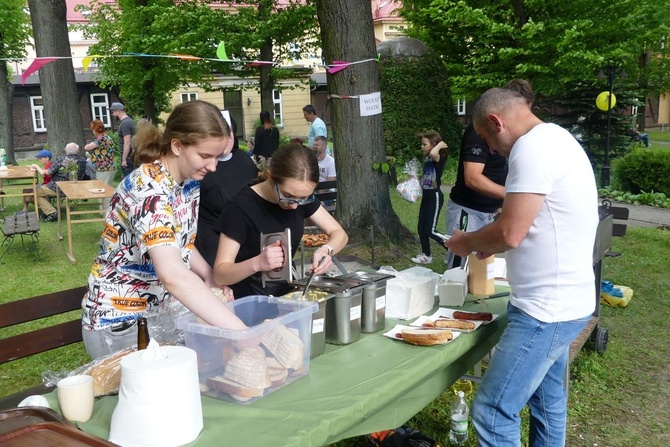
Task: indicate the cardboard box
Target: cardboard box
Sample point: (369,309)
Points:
(270,319)
(411,293)
(481,275)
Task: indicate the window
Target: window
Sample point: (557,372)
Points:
(37,110)
(460,107)
(189,96)
(100,108)
(276,100)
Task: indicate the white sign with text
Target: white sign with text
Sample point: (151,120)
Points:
(371,104)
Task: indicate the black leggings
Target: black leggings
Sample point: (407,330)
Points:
(429,213)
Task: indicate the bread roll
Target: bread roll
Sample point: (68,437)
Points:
(237,391)
(427,337)
(463,325)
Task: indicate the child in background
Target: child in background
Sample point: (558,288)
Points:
(432,200)
(44,157)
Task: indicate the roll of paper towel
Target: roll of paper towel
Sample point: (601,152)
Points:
(159,398)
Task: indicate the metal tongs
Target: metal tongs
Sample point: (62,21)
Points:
(311,277)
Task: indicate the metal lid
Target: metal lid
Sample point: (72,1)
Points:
(335,284)
(368,276)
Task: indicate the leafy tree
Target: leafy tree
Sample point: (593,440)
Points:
(559,47)
(259,30)
(14,34)
(57,81)
(347,34)
(485,43)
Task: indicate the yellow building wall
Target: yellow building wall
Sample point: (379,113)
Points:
(664,110)
(293,100)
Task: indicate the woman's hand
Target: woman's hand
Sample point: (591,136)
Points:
(318,267)
(272,257)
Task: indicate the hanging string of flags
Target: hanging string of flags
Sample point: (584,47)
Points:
(221,56)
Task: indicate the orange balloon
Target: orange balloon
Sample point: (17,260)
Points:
(602,101)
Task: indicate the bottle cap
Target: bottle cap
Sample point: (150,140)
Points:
(461,394)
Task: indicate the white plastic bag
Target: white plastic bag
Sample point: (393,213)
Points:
(410,189)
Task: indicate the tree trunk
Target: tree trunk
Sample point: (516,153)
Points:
(266,82)
(57,81)
(363,193)
(6,117)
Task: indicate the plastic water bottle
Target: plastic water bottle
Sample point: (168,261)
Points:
(3,157)
(458,434)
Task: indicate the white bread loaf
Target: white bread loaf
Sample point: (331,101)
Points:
(248,369)
(237,391)
(426,337)
(285,346)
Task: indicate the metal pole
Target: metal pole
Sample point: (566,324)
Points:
(605,174)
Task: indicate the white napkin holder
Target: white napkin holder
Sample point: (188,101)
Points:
(453,287)
(159,398)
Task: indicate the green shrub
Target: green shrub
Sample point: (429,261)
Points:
(644,170)
(416,98)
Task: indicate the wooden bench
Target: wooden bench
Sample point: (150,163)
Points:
(21,225)
(40,340)
(620,215)
(327,192)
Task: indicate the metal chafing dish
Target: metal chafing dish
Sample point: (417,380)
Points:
(318,343)
(373,314)
(343,311)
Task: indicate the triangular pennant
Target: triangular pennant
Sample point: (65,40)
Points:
(87,61)
(338,66)
(36,65)
(221,52)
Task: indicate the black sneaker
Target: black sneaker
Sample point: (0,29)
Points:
(51,217)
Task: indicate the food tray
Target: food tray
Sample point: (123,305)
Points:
(335,284)
(51,434)
(20,417)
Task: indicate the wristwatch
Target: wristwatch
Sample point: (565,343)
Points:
(329,248)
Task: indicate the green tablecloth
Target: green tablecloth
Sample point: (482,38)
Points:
(373,384)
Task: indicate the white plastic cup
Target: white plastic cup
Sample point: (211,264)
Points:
(75,397)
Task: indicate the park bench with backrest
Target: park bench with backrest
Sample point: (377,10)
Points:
(52,336)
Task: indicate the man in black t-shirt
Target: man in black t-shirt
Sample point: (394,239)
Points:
(480,182)
(479,190)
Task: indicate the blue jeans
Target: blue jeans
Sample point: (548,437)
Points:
(527,367)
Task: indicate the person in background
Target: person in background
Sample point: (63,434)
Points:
(234,171)
(432,199)
(317,127)
(326,162)
(283,200)
(102,153)
(147,252)
(44,157)
(126,132)
(58,173)
(546,229)
(478,192)
(266,140)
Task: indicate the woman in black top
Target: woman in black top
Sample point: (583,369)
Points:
(284,200)
(266,140)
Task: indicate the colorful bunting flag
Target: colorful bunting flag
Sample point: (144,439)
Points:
(36,65)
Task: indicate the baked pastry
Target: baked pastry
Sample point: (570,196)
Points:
(427,337)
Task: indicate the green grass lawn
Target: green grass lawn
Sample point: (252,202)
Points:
(617,399)
(657,135)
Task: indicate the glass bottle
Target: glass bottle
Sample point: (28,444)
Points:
(142,334)
(458,434)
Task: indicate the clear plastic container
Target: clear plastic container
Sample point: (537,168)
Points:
(272,321)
